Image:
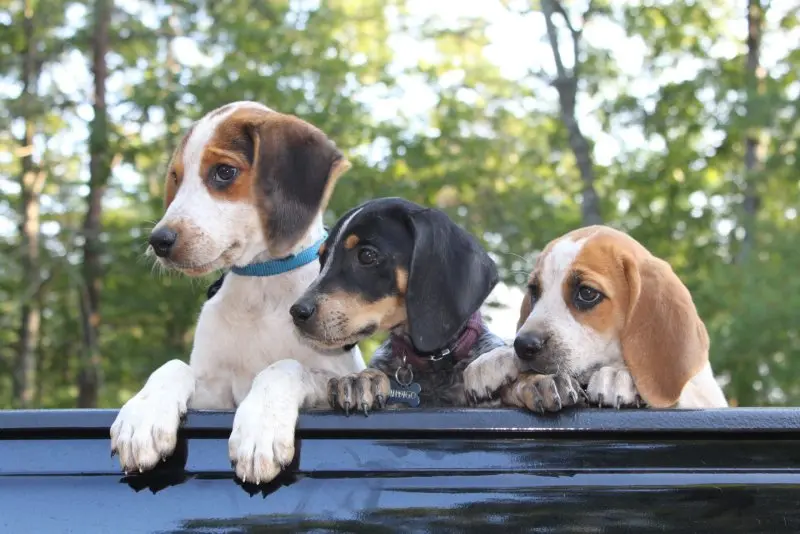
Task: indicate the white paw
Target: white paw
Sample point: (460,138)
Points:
(262,441)
(146,429)
(489,372)
(612,386)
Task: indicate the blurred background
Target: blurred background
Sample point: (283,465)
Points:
(675,121)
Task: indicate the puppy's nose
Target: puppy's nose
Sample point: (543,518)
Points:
(528,344)
(162,241)
(302,311)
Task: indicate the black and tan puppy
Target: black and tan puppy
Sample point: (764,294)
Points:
(392,265)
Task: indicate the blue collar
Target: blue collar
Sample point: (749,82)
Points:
(283,265)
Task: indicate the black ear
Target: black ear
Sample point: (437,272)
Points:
(450,277)
(297,168)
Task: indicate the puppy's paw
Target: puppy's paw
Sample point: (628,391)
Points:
(262,440)
(146,429)
(364,391)
(544,393)
(613,387)
(489,372)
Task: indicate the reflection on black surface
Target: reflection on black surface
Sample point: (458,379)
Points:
(713,509)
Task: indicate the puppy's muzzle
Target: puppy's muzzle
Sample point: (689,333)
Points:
(163,241)
(302,311)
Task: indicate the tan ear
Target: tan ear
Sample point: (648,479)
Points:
(664,342)
(524,310)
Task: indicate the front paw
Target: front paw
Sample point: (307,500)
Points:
(146,430)
(262,440)
(544,393)
(489,372)
(613,387)
(363,391)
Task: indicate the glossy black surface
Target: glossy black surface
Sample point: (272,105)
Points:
(586,471)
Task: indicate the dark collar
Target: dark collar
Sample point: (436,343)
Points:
(456,350)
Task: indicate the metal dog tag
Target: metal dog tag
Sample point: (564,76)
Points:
(403,389)
(400,394)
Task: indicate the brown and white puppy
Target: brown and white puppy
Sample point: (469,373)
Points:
(602,309)
(246,185)
(390,265)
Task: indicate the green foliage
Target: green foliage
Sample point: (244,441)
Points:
(490,149)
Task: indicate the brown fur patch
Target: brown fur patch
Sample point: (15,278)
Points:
(322,249)
(525,309)
(401,278)
(597,266)
(385,313)
(231,145)
(351,241)
(526,306)
(174,177)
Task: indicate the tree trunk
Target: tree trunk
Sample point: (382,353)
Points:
(753,151)
(100,169)
(31,185)
(566,84)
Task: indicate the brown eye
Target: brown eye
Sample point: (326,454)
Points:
(534,292)
(224,174)
(174,176)
(367,256)
(587,297)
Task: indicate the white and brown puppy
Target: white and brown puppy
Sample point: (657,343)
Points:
(245,191)
(602,310)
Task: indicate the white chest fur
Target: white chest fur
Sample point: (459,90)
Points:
(247,326)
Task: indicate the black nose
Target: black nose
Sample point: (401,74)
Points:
(302,311)
(528,344)
(162,241)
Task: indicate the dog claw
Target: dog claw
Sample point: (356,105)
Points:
(618,403)
(347,408)
(539,406)
(600,400)
(113,452)
(365,409)
(381,401)
(557,402)
(573,397)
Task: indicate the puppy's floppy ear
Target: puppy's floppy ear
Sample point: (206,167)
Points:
(664,341)
(525,309)
(450,277)
(297,167)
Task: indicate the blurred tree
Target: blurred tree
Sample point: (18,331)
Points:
(99,174)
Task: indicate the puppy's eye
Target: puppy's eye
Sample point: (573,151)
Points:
(224,174)
(174,177)
(533,292)
(367,256)
(587,297)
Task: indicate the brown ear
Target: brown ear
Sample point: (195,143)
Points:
(524,310)
(297,167)
(664,342)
